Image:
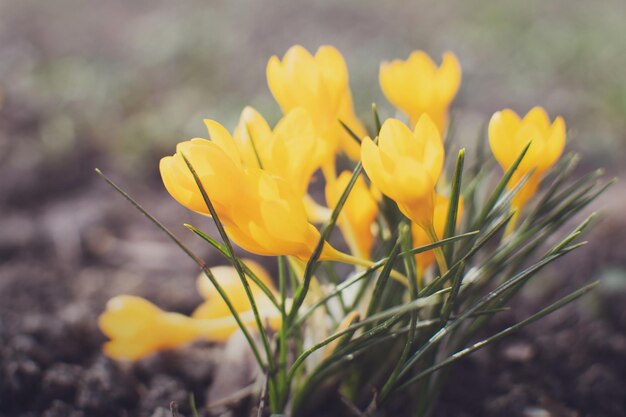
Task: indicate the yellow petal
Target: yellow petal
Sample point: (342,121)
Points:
(503,127)
(222,138)
(538,118)
(252,136)
(333,70)
(449,78)
(280,91)
(373,166)
(555,144)
(431,151)
(358,214)
(395,139)
(526,192)
(215,170)
(416,86)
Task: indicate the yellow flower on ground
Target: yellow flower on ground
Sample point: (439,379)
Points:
(292,151)
(420,238)
(261,212)
(358,213)
(406,165)
(509,134)
(137,328)
(416,86)
(318,83)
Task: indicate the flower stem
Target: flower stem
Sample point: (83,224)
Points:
(439,255)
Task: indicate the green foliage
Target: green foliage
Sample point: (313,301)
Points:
(405,336)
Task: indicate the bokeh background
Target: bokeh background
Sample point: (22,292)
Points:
(116,84)
(132,78)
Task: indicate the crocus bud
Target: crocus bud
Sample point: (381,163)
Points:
(318,83)
(417,86)
(405,166)
(509,134)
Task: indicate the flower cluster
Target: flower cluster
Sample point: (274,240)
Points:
(256,182)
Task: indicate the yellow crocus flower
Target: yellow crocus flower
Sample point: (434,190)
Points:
(261,212)
(420,238)
(318,83)
(416,86)
(358,213)
(137,328)
(292,150)
(406,165)
(509,134)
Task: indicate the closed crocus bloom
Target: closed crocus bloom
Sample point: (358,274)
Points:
(405,166)
(417,86)
(216,310)
(136,328)
(357,215)
(509,134)
(319,84)
(292,151)
(420,238)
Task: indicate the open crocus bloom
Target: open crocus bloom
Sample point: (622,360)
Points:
(417,86)
(137,328)
(260,211)
(292,150)
(318,83)
(420,238)
(406,165)
(509,134)
(358,214)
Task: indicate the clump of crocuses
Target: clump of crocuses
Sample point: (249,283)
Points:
(434,249)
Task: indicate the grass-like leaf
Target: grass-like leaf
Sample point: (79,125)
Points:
(364,274)
(312,263)
(501,289)
(351,133)
(377,124)
(479,345)
(235,262)
(497,192)
(453,206)
(222,249)
(381,283)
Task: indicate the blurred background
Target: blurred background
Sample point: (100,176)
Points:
(130,79)
(116,84)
